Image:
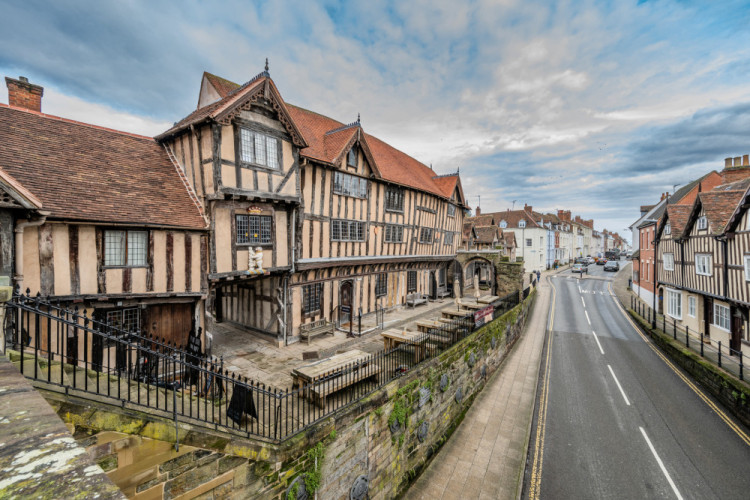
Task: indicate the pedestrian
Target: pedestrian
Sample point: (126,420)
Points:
(538,275)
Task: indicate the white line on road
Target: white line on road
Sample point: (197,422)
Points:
(587,317)
(618,385)
(661,464)
(597,341)
(584,304)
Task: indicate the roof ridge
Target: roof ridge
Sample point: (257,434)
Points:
(74,122)
(344,127)
(454,174)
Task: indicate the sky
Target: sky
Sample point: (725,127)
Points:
(592,106)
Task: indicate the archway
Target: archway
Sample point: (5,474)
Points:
(484,270)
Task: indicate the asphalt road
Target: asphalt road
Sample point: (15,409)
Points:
(615,420)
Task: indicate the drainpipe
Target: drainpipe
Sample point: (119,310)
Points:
(656,281)
(20,226)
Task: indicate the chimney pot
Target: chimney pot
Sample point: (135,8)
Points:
(745,160)
(727,162)
(23,79)
(479,211)
(737,161)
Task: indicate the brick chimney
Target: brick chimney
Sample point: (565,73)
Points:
(735,169)
(527,207)
(23,94)
(479,211)
(564,215)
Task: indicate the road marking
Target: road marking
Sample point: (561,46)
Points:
(618,385)
(587,317)
(597,341)
(661,464)
(684,378)
(541,423)
(584,304)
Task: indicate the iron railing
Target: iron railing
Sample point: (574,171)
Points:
(731,360)
(68,351)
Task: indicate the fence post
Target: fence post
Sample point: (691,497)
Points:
(674,328)
(742,376)
(174,403)
(720,354)
(687,336)
(701,344)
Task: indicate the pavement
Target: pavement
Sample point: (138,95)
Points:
(485,457)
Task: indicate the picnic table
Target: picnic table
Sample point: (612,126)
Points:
(453,313)
(424,326)
(322,378)
(488,299)
(473,307)
(394,337)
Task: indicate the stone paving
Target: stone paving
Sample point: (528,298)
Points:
(485,457)
(256,358)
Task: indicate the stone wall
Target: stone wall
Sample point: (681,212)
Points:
(376,446)
(509,277)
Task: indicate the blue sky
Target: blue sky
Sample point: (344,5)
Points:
(596,107)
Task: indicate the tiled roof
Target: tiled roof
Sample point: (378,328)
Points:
(481,220)
(17,191)
(513,217)
(447,184)
(719,207)
(509,238)
(88,173)
(678,217)
(222,85)
(466,231)
(487,234)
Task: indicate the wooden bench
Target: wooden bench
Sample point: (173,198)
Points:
(443,292)
(327,386)
(319,327)
(453,313)
(414,299)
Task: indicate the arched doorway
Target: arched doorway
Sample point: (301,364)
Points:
(345,302)
(456,275)
(483,270)
(433,286)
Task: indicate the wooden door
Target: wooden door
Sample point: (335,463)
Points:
(736,335)
(708,315)
(433,286)
(172,322)
(345,302)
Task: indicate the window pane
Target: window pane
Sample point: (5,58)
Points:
(114,248)
(260,149)
(137,248)
(243,229)
(271,152)
(246,146)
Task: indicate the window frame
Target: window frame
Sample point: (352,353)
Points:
(411,281)
(381,285)
(394,199)
(448,238)
(746,261)
(261,219)
(529,242)
(667,228)
(451,210)
(352,153)
(674,298)
(701,223)
(126,248)
(717,317)
(312,299)
(342,185)
(252,134)
(503,224)
(668,258)
(390,229)
(709,266)
(349,223)
(424,231)
(522,223)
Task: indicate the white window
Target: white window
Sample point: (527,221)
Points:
(347,230)
(522,223)
(259,149)
(394,233)
(691,306)
(125,248)
(703,264)
(528,242)
(674,304)
(747,267)
(669,262)
(702,222)
(503,224)
(721,317)
(668,228)
(349,185)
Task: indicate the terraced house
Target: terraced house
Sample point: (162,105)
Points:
(703,260)
(346,224)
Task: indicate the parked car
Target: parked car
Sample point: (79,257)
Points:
(580,268)
(612,266)
(590,260)
(580,260)
(601,261)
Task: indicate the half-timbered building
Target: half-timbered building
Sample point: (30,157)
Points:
(346,223)
(101,220)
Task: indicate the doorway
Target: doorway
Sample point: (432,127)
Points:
(345,302)
(433,286)
(738,321)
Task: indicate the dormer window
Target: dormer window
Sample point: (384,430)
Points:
(668,228)
(259,149)
(522,223)
(451,210)
(503,224)
(351,159)
(702,222)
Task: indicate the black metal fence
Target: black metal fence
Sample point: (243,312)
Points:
(76,354)
(721,354)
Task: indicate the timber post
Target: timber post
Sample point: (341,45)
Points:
(6,292)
